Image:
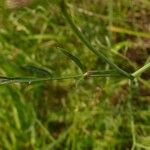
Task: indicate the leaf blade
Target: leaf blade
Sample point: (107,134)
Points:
(36,70)
(73,58)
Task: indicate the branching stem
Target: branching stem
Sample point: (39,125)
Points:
(87,43)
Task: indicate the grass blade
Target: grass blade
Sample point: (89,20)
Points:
(74,59)
(129,32)
(36,70)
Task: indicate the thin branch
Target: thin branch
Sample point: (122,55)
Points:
(141,70)
(10,80)
(87,43)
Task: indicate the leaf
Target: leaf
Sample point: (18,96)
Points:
(36,70)
(117,47)
(74,59)
(129,32)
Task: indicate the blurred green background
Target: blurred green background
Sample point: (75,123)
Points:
(90,114)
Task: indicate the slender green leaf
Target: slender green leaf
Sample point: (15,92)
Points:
(36,70)
(73,58)
(129,32)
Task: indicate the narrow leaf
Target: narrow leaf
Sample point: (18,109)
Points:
(74,59)
(36,70)
(129,32)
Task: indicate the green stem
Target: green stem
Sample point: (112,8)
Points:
(87,43)
(133,89)
(10,80)
(141,70)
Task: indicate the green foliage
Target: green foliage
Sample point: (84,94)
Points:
(99,107)
(74,59)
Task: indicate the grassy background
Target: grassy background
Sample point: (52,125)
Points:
(92,114)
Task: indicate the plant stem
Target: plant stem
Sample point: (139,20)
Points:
(141,70)
(87,43)
(10,80)
(133,89)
